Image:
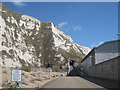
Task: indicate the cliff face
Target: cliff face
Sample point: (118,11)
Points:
(30,42)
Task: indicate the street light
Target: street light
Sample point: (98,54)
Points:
(118,34)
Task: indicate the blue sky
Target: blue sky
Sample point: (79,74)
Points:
(88,23)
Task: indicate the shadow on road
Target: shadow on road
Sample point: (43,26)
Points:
(109,84)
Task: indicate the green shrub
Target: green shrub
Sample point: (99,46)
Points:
(56,69)
(26,68)
(11,86)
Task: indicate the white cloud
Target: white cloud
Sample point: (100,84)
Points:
(19,3)
(96,44)
(60,25)
(77,27)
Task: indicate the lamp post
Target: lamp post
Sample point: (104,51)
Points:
(118,35)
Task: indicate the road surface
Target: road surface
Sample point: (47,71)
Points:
(71,82)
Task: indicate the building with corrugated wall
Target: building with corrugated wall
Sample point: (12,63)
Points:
(100,56)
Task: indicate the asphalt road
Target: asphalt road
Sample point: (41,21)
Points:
(71,82)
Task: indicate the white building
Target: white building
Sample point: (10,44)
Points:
(106,51)
(102,53)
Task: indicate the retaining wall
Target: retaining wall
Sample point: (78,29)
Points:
(109,69)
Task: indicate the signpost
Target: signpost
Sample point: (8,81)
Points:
(60,66)
(16,76)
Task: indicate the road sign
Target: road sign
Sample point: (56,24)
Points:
(16,75)
(60,67)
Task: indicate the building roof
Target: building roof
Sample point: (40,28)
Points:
(108,42)
(88,54)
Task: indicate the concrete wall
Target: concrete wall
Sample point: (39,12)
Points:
(108,69)
(88,62)
(106,51)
